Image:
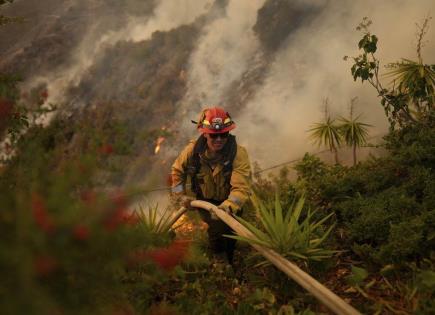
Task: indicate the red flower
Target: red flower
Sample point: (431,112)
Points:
(169,257)
(118,212)
(44,265)
(132,219)
(105,149)
(81,232)
(115,219)
(44,94)
(40,214)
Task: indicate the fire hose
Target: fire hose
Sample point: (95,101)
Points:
(319,291)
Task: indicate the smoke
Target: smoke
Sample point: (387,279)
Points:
(222,55)
(310,68)
(307,68)
(167,15)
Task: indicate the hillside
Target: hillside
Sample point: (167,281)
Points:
(96,102)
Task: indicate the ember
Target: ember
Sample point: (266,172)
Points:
(158,144)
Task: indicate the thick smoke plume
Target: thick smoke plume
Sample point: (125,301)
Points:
(305,70)
(223,53)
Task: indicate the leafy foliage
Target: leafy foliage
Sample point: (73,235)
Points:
(358,275)
(67,244)
(328,134)
(15,116)
(285,233)
(413,97)
(332,134)
(385,204)
(353,131)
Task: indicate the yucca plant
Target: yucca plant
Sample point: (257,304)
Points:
(417,81)
(327,133)
(287,234)
(353,131)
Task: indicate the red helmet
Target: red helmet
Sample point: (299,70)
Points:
(215,120)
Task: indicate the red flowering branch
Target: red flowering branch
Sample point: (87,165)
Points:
(41,215)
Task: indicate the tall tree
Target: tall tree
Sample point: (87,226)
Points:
(327,133)
(353,131)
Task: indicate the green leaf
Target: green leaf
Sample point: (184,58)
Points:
(358,276)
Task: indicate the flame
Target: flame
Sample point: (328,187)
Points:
(186,227)
(158,144)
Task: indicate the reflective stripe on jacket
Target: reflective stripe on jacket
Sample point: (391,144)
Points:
(212,182)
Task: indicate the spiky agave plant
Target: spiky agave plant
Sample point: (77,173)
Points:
(158,222)
(287,234)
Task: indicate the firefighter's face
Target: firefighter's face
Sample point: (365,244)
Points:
(216,141)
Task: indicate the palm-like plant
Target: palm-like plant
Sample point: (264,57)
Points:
(327,133)
(353,131)
(416,80)
(285,234)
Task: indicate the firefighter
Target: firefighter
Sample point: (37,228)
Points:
(216,169)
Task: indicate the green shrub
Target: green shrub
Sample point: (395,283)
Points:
(67,245)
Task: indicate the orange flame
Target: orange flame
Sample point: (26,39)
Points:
(158,144)
(186,227)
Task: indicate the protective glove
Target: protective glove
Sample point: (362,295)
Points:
(223,206)
(226,207)
(229,207)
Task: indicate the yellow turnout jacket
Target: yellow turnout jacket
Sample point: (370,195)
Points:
(211,179)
